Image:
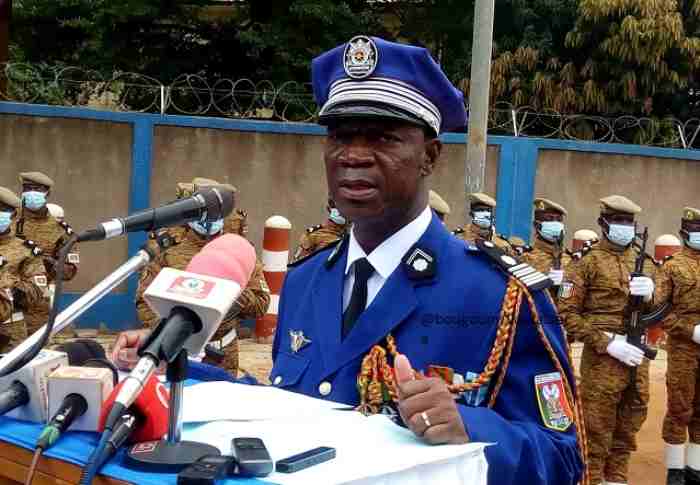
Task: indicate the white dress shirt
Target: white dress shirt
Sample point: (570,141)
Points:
(385,258)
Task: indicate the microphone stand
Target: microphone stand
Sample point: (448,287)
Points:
(82,304)
(172,454)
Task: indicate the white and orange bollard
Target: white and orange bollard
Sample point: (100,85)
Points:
(275,256)
(665,245)
(582,236)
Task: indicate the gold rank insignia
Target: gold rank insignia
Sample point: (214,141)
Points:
(541,206)
(689,216)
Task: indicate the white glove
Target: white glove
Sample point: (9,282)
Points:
(557,276)
(696,334)
(626,353)
(642,286)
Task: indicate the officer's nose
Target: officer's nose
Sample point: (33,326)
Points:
(357,153)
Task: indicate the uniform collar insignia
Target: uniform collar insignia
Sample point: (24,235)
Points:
(298,340)
(337,251)
(420,263)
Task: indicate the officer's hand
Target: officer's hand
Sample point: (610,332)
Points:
(427,407)
(557,276)
(642,286)
(626,353)
(124,351)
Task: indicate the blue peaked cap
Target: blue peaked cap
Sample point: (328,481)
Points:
(369,76)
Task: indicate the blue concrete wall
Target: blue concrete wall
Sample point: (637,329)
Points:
(516,174)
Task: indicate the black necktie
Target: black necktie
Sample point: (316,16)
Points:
(358,299)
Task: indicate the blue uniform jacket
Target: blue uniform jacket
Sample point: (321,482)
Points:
(448,319)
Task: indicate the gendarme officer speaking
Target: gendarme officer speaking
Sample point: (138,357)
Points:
(349,314)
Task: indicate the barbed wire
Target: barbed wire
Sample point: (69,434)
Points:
(196,95)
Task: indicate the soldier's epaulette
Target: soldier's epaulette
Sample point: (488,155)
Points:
(526,274)
(66,227)
(577,255)
(654,260)
(242,213)
(313,228)
(457,231)
(297,262)
(36,250)
(667,258)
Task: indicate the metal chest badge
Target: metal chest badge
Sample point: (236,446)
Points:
(297,340)
(361,57)
(551,398)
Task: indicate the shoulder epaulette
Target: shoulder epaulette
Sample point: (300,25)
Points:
(66,227)
(308,256)
(36,250)
(526,274)
(667,258)
(654,260)
(242,213)
(577,255)
(459,230)
(313,228)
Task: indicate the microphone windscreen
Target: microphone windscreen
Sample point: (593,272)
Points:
(81,350)
(150,407)
(229,257)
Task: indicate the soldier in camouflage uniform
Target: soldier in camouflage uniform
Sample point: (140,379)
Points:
(592,303)
(549,227)
(23,282)
(481,210)
(320,236)
(438,204)
(36,224)
(679,282)
(181,244)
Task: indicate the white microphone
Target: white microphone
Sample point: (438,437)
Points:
(93,384)
(193,304)
(31,381)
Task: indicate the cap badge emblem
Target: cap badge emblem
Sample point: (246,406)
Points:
(360,58)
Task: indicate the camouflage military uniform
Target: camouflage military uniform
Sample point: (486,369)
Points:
(23,282)
(472,233)
(318,237)
(542,255)
(253,301)
(593,299)
(49,235)
(679,281)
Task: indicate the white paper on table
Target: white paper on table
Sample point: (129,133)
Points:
(218,401)
(368,450)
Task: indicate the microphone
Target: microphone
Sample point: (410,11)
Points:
(206,205)
(68,384)
(23,393)
(192,304)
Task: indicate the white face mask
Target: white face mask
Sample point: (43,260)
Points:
(551,230)
(694,240)
(621,234)
(482,219)
(336,217)
(201,228)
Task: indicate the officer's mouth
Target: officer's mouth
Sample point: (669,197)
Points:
(357,190)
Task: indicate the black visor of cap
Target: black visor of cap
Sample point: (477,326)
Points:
(369,110)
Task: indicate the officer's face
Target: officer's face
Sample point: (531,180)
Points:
(375,168)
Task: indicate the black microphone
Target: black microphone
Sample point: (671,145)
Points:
(13,397)
(206,205)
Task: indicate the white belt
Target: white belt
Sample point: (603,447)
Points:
(16,317)
(225,341)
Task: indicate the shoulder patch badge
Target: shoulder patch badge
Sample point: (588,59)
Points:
(554,407)
(566,290)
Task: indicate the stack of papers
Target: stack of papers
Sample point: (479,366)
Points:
(369,449)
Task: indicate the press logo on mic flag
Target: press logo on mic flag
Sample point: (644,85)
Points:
(192,287)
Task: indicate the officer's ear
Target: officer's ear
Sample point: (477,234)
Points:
(433,149)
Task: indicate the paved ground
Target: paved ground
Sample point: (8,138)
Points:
(647,465)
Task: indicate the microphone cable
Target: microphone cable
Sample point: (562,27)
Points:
(109,443)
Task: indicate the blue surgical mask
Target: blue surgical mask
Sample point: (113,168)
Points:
(5,221)
(201,228)
(482,219)
(34,200)
(336,217)
(621,234)
(551,230)
(694,240)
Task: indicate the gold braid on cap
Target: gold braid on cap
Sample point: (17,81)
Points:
(376,382)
